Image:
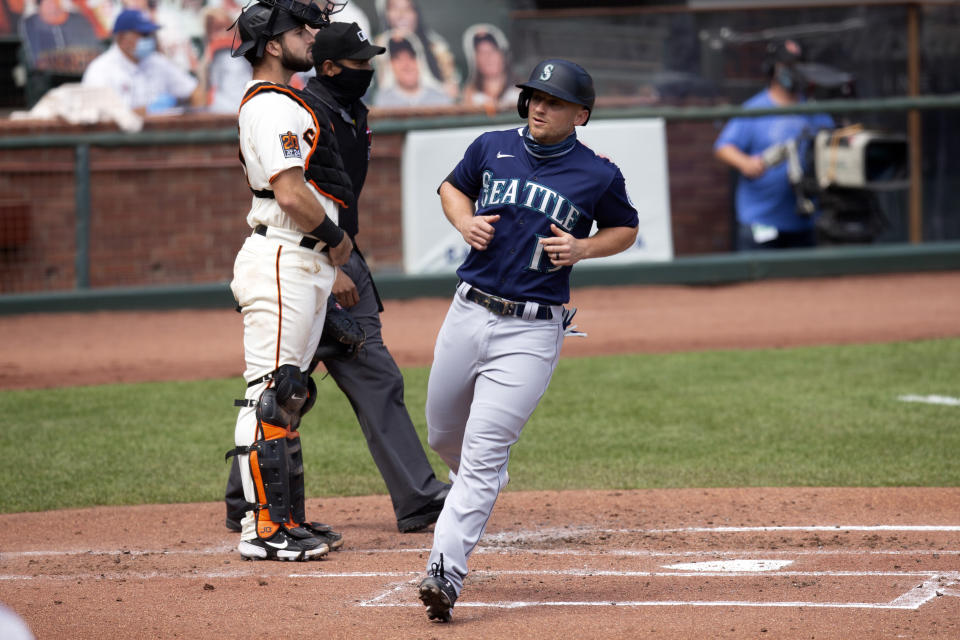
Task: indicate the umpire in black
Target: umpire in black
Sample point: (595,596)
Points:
(372,381)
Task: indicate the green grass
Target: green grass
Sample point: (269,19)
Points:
(824,416)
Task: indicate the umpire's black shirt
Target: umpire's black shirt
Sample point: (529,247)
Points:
(349,123)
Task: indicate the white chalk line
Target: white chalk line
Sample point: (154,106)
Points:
(812,529)
(320,575)
(568,532)
(493,542)
(118,552)
(205,575)
(504,550)
(931,399)
(912,600)
(667,603)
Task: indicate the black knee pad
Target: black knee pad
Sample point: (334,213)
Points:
(292,388)
(269,410)
(272,410)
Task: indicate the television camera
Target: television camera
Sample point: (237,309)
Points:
(841,170)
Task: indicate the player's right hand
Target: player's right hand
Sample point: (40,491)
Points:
(753,167)
(478,231)
(341,253)
(345,290)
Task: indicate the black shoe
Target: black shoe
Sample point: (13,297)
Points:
(425,515)
(282,546)
(324,533)
(306,535)
(438,594)
(233,525)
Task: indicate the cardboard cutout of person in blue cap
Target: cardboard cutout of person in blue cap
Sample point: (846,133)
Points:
(146,80)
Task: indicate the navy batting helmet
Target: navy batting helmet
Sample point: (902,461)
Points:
(561,79)
(266,19)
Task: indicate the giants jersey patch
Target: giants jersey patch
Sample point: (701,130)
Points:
(290,144)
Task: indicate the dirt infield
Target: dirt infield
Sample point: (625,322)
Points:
(718,563)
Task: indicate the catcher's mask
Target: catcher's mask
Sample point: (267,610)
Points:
(561,79)
(266,19)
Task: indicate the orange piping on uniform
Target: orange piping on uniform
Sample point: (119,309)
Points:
(276,364)
(279,89)
(316,124)
(277,175)
(324,193)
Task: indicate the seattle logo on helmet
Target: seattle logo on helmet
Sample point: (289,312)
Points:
(546,73)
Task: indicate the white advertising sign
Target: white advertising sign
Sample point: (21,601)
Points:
(638,147)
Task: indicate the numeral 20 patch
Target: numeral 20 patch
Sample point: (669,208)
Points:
(290,143)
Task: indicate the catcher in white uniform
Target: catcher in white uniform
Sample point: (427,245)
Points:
(282,278)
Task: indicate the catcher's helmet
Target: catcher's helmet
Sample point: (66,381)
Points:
(266,19)
(559,78)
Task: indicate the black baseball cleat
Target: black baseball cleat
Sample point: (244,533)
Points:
(324,533)
(306,536)
(425,515)
(282,545)
(438,594)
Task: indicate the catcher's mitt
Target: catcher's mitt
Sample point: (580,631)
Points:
(342,337)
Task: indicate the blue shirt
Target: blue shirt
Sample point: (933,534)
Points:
(529,193)
(769,199)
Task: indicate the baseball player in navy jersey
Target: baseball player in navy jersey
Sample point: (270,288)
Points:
(525,201)
(282,278)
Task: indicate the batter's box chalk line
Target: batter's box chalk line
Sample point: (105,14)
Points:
(401,594)
(569,534)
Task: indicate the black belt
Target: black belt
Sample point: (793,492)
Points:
(306,241)
(504,307)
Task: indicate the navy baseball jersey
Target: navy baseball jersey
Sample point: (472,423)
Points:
(529,193)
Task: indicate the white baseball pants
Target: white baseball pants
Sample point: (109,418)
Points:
(282,289)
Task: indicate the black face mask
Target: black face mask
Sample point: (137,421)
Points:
(349,85)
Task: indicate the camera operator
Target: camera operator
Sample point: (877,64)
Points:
(766,202)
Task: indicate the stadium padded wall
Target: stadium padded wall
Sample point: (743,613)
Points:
(696,270)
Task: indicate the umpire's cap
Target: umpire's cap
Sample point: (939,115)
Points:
(266,19)
(561,79)
(343,40)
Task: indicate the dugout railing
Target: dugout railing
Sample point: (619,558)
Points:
(705,269)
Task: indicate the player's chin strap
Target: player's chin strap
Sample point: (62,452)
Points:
(568,328)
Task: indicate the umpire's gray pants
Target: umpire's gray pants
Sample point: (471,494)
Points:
(373,384)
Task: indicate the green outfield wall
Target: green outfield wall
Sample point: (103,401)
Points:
(704,270)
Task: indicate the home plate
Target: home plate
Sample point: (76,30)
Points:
(731,565)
